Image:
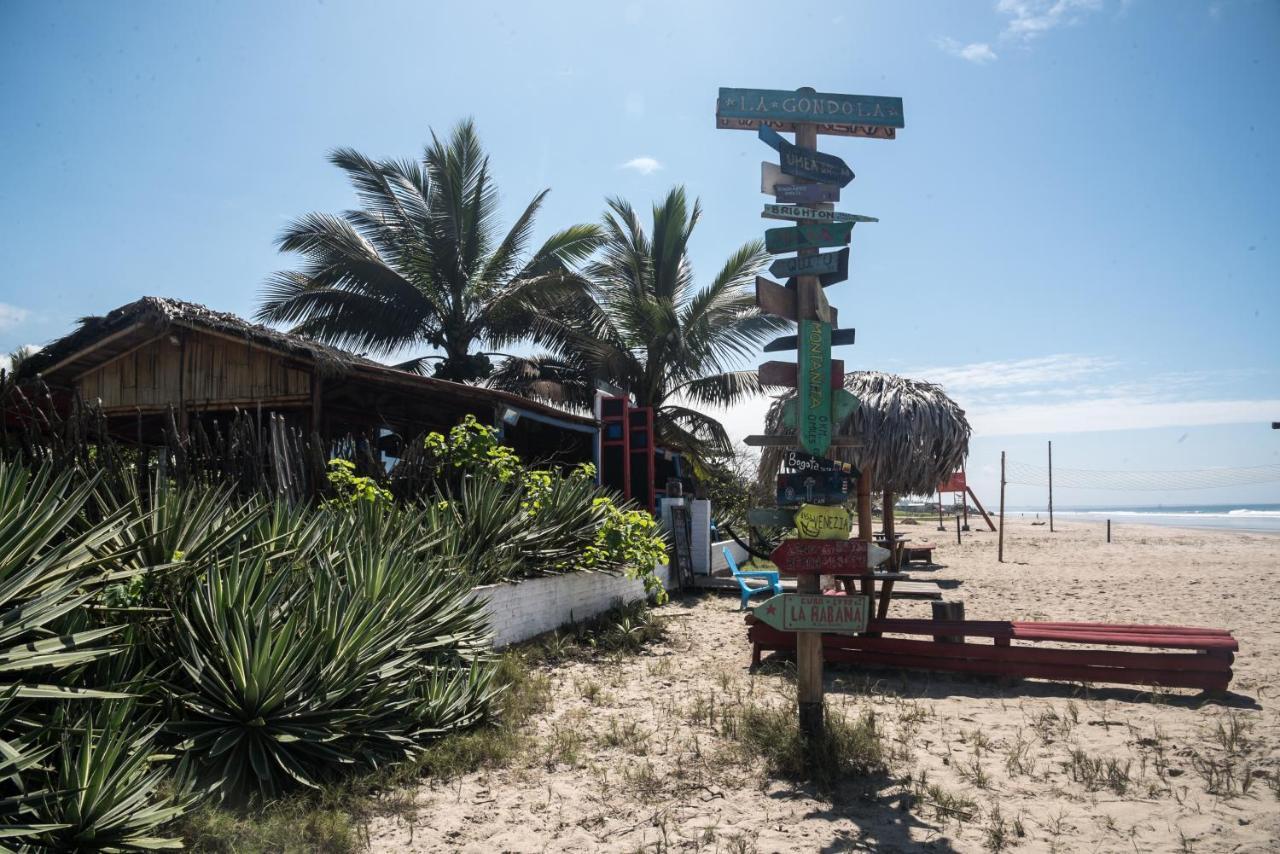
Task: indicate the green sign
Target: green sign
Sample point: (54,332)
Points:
(801,612)
(812,236)
(814,393)
(805,105)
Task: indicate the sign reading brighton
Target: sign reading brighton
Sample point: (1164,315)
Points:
(799,612)
(805,105)
(828,557)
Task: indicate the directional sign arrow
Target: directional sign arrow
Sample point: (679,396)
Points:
(773,298)
(843,404)
(839,338)
(776,440)
(825,264)
(771,517)
(828,557)
(806,162)
(814,236)
(785,374)
(801,461)
(808,612)
(806,105)
(813,488)
(802,193)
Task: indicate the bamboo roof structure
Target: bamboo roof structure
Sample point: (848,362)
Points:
(913,435)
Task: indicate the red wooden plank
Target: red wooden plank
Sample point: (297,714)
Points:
(1040,655)
(1167,678)
(1127,627)
(1125,639)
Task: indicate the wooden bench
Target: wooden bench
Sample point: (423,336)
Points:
(1203,658)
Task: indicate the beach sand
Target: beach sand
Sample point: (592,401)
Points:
(641,761)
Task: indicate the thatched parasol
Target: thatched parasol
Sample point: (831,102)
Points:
(913,438)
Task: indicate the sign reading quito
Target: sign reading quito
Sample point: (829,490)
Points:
(799,612)
(809,106)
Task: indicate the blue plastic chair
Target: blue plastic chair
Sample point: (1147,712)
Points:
(771,576)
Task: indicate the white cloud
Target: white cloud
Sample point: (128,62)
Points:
(12,315)
(7,364)
(1115,413)
(1014,372)
(979,53)
(1030,19)
(644,164)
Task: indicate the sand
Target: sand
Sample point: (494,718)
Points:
(632,755)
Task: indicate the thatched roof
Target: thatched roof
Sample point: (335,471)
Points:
(155,315)
(914,436)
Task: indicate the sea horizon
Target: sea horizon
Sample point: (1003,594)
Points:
(1238,516)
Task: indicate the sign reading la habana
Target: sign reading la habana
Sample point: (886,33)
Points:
(800,612)
(806,105)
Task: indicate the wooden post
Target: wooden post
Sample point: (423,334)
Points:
(866,525)
(1108,530)
(888,530)
(958,529)
(948,611)
(808,644)
(1051,487)
(965,501)
(1000,553)
(976,503)
(941,527)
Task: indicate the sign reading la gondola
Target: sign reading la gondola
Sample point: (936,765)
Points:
(781,106)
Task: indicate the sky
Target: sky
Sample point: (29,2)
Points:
(1078,224)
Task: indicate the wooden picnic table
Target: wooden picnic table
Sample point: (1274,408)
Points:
(896,548)
(867,581)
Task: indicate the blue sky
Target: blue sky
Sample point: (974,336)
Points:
(1078,224)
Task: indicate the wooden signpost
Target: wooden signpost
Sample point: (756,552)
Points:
(820,401)
(795,612)
(800,461)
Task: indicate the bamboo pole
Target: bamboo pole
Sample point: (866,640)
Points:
(1051,487)
(1000,557)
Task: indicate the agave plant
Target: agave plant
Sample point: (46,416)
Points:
(286,679)
(105,790)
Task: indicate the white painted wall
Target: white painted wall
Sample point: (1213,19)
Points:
(520,610)
(718,563)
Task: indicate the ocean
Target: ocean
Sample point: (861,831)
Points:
(1258,518)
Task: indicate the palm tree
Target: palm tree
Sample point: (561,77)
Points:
(639,322)
(422,262)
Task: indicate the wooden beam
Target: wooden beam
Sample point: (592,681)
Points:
(120,333)
(981,509)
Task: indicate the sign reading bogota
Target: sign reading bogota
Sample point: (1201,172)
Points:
(813,488)
(800,461)
(830,557)
(805,105)
(799,612)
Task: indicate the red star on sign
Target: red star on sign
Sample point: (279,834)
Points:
(771,610)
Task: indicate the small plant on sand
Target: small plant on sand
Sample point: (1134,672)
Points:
(996,833)
(848,749)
